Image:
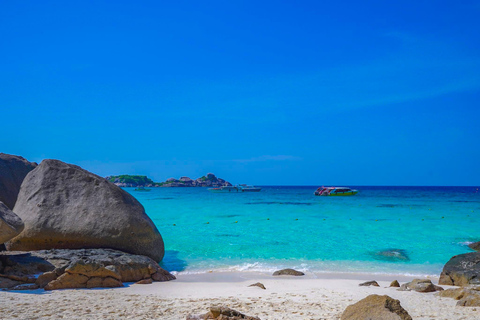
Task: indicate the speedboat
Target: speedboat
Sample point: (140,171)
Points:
(248,188)
(226,189)
(335,191)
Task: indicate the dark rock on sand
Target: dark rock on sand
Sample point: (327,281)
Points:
(13,170)
(10,224)
(392,255)
(462,270)
(222,313)
(288,272)
(369,283)
(83,268)
(375,307)
(66,207)
(258,284)
(395,284)
(466,296)
(475,246)
(420,285)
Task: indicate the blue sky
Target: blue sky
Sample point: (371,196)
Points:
(271,92)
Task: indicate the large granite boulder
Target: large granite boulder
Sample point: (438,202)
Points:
(375,307)
(10,224)
(66,207)
(81,268)
(13,170)
(462,270)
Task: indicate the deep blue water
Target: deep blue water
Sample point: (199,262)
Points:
(421,228)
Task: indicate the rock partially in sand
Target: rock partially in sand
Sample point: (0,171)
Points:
(392,255)
(10,224)
(258,284)
(222,313)
(66,207)
(288,272)
(84,268)
(466,296)
(420,285)
(13,170)
(375,307)
(395,284)
(475,246)
(145,281)
(462,270)
(369,283)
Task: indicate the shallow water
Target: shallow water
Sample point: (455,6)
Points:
(393,230)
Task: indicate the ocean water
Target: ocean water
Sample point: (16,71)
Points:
(382,230)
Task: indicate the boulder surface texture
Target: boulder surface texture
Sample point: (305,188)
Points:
(462,270)
(81,268)
(466,296)
(420,285)
(13,170)
(375,307)
(66,207)
(10,224)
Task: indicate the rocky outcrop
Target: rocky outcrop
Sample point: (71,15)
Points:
(288,272)
(131,181)
(462,270)
(84,268)
(420,285)
(66,207)
(13,170)
(375,307)
(222,313)
(475,246)
(10,224)
(210,180)
(466,296)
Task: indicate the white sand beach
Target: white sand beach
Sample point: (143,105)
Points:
(320,296)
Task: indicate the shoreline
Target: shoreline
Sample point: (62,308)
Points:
(286,297)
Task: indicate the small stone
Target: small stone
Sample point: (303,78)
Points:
(258,284)
(395,284)
(369,283)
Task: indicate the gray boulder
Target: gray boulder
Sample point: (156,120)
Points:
(66,207)
(375,307)
(10,224)
(82,268)
(13,170)
(462,270)
(288,272)
(420,285)
(475,246)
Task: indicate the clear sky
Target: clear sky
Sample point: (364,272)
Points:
(261,92)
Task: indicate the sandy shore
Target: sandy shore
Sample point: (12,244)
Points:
(323,296)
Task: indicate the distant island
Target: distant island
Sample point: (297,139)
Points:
(209,180)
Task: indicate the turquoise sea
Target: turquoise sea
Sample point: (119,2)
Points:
(290,227)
